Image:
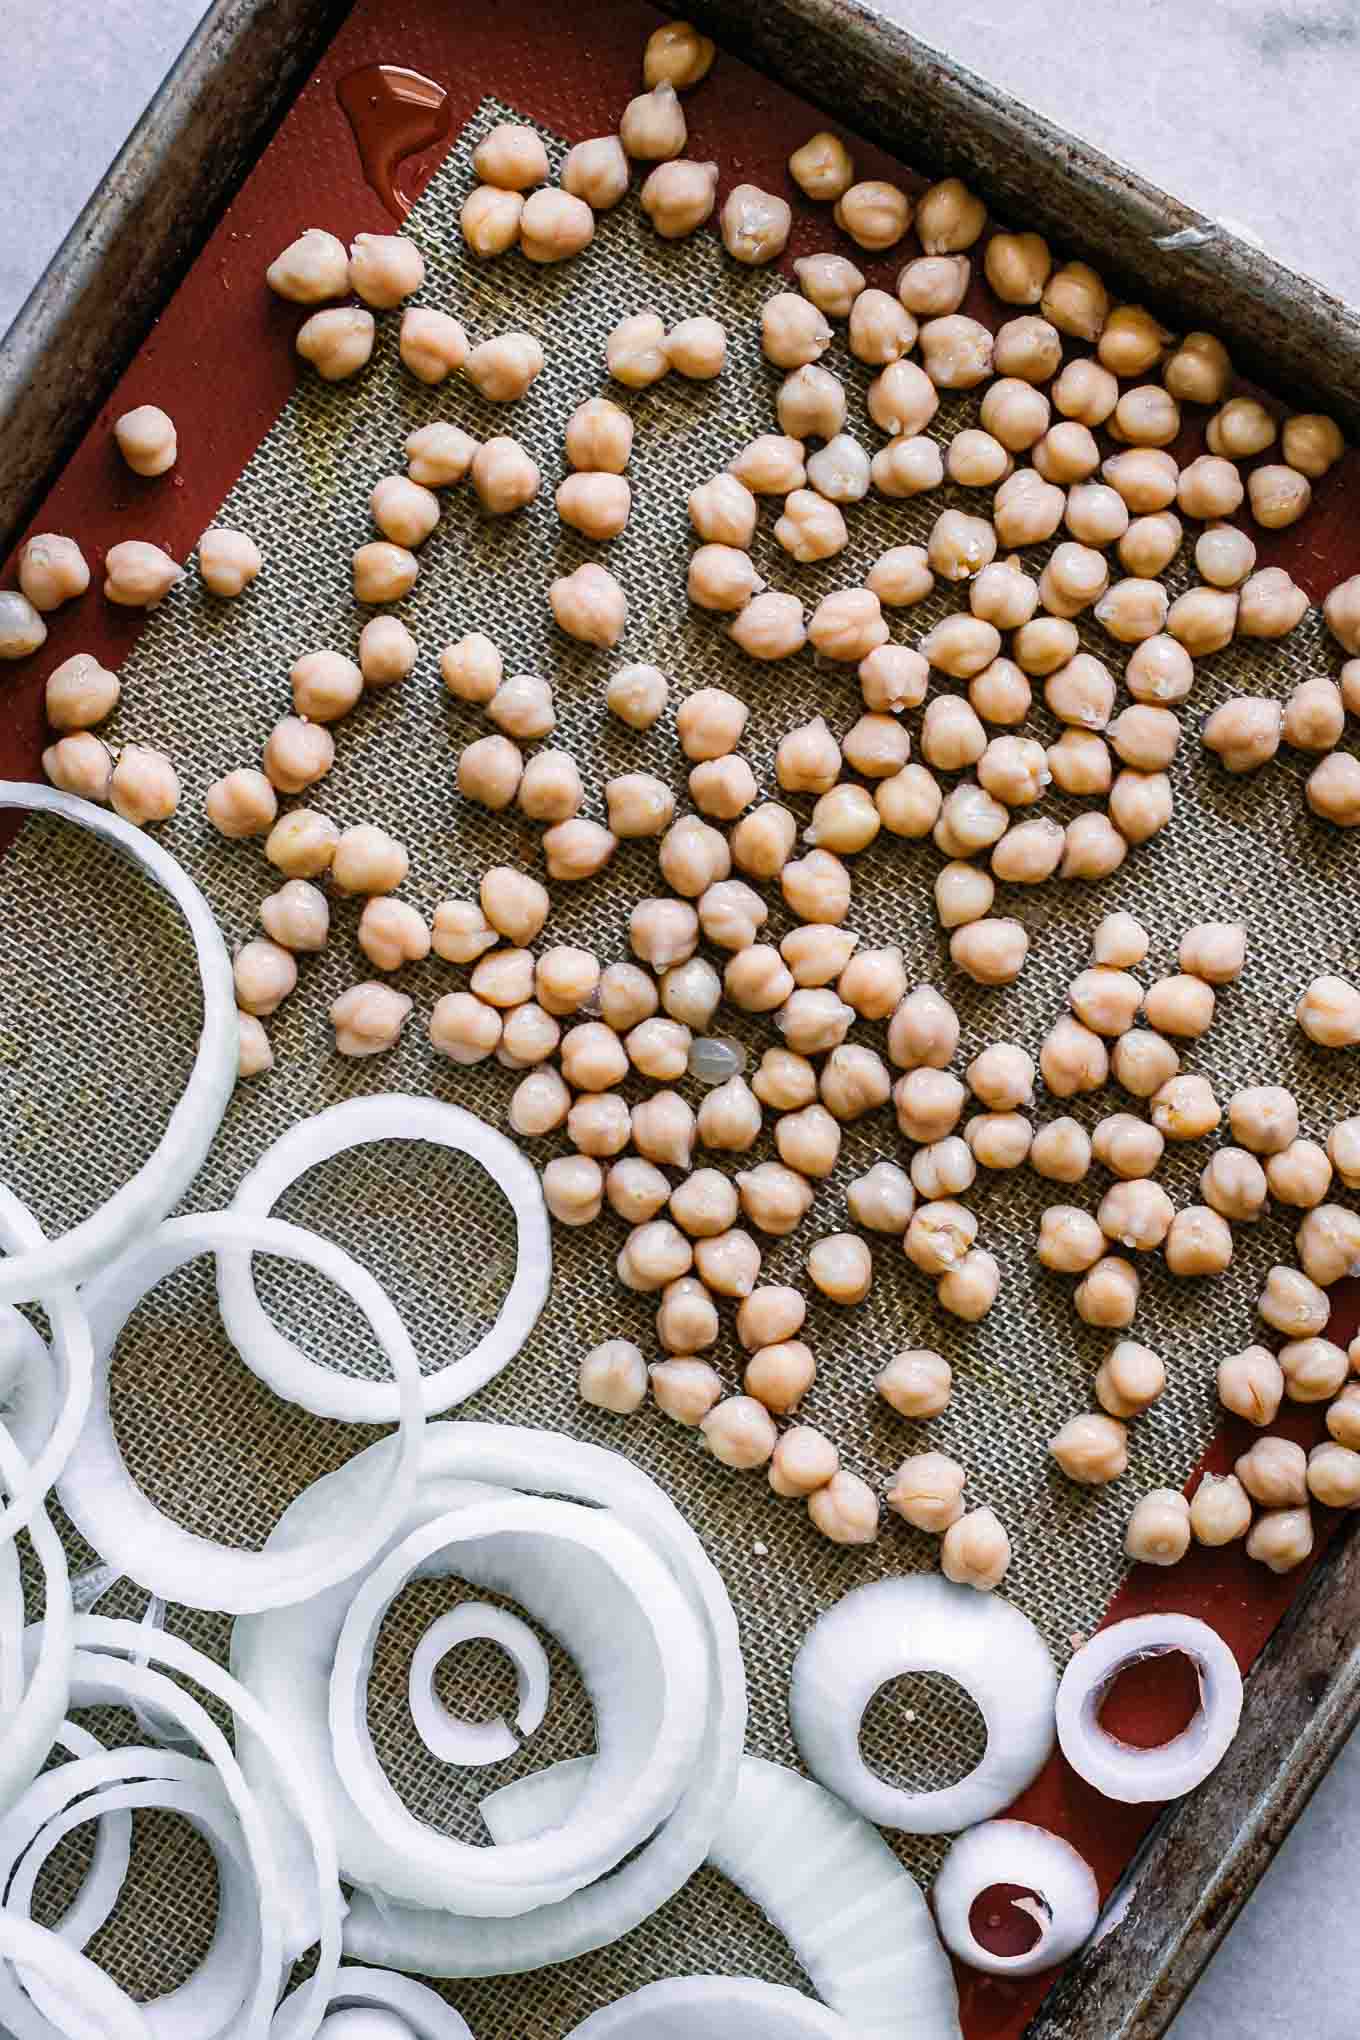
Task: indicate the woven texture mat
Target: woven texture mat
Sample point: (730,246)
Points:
(98,1022)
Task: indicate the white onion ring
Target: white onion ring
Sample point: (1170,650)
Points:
(472,1743)
(310,1890)
(71,1356)
(32,1715)
(163,1179)
(355,1123)
(924,1623)
(1016,1852)
(27,1388)
(207,2003)
(74,1975)
(110,1510)
(276,1656)
(636,1644)
(106,1872)
(716,2007)
(1174,1768)
(423,2010)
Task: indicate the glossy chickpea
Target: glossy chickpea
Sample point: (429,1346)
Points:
(822,167)
(1334,1476)
(589,605)
(729,1118)
(1278,496)
(812,1020)
(504,478)
(489,771)
(1234,1184)
(697,348)
(539,1104)
(949,217)
(1292,1304)
(654,1255)
(770,627)
(1274,1472)
(596,171)
(803,1462)
(881,329)
(1107,1295)
(957,353)
(874,213)
(1314,715)
(1092,1450)
(392,933)
(530,1034)
(939,1234)
(1086,393)
(1029,852)
(1241,429)
(963,893)
(1328,1243)
(999,1140)
(991,951)
(845,1510)
(816,887)
(1127,1146)
(969,1290)
(143,786)
(687,1320)
(943,1169)
(927,1492)
(779,1375)
(1281,1539)
(755,225)
(565,978)
(1129,1380)
(844,820)
(368,1019)
(243,803)
(1080,763)
(1220,1510)
(1343,1151)
(678,196)
(729,1263)
(1329,1012)
(975,1551)
(652,127)
(597,505)
(504,978)
(1199,1242)
(916,1383)
(1069,1240)
(1061,1151)
(1185,1108)
(1269,604)
(1028,348)
(1300,1175)
(882,1200)
(1158,1531)
(461,932)
(1333,790)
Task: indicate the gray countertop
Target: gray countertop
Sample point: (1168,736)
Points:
(1243,108)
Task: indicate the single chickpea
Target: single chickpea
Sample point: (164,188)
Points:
(490,219)
(1068,454)
(1072,1058)
(636,694)
(686,1390)
(144,786)
(1080,763)
(387,651)
(816,887)
(1329,1012)
(653,1256)
(472,669)
(729,1117)
(81,764)
(812,1020)
(722,577)
(1234,1184)
(1333,790)
(1274,1472)
(1018,267)
(504,477)
(755,225)
(927,1491)
(803,1462)
(1343,1418)
(1074,578)
(665,1130)
(1334,1476)
(383,571)
(1264,1118)
(1312,444)
(596,171)
(254,1056)
(969,1290)
(514,904)
(916,1383)
(243,803)
(337,343)
(704,1205)
(1026,510)
(881,329)
(729,1263)
(780,1375)
(963,893)
(511,157)
(723,511)
(461,931)
(1281,1539)
(841,470)
(147,440)
(539,1104)
(810,403)
(52,570)
(1127,1146)
(432,344)
(784,1081)
(962,646)
(990,951)
(505,978)
(687,1321)
(1075,300)
(999,1140)
(1061,1151)
(874,214)
(596,504)
(882,1200)
(1092,1450)
(693,856)
(384,269)
(1146,416)
(550,787)
(939,1234)
(741,1433)
(1045,645)
(653,127)
(302,844)
(1245,732)
(1182,1006)
(310,269)
(910,802)
(1004,595)
(1314,716)
(830,282)
(1314,1369)
(1093,848)
(1085,392)
(823,167)
(957,353)
(1029,852)
(960,546)
(949,217)
(952,735)
(636,1190)
(1328,1243)
(1185,1108)
(909,465)
(844,820)
(770,627)
(1220,1510)
(530,1034)
(1292,1304)
(1107,1295)
(793,332)
(1270,604)
(1143,1063)
(845,1510)
(368,1019)
(1341,613)
(576,849)
(1015,414)
(1159,1528)
(775,1199)
(137,575)
(943,1169)
(1069,1240)
(1300,1175)
(589,605)
(1240,429)
(80,692)
(934,285)
(554,226)
(1278,495)
(975,1551)
(697,348)
(662,932)
(1199,1242)
(613,1376)
(1028,348)
(489,771)
(1129,1380)
(1343,1150)
(1225,556)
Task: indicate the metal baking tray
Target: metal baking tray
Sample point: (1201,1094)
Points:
(117,268)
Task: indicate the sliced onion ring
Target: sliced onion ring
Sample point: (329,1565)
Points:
(40,1699)
(636,1645)
(383,1990)
(110,1510)
(164,1177)
(32,1947)
(1015,1852)
(1174,1768)
(923,1623)
(477,1742)
(107,1869)
(278,1656)
(719,2008)
(73,1359)
(354,1123)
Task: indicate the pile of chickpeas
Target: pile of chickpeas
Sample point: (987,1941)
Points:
(575,1027)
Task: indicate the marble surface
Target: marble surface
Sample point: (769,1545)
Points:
(1244,108)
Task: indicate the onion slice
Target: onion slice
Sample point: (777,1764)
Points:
(107,1869)
(638,1648)
(286,1663)
(719,2008)
(157,1187)
(1015,1852)
(32,1706)
(477,1742)
(111,1512)
(79,1982)
(72,1358)
(1174,1768)
(355,1123)
(923,1623)
(382,1990)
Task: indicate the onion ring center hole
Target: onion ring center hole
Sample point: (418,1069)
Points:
(1008,1919)
(475,1682)
(203,1438)
(162,1925)
(100,1013)
(922,1732)
(1150,1701)
(426,1222)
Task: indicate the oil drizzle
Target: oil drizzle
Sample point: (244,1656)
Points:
(394,113)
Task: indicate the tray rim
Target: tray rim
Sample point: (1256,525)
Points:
(235,78)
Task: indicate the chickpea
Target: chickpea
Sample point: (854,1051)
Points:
(596,504)
(80,692)
(1185,1108)
(143,786)
(368,1019)
(803,1462)
(254,1055)
(1027,348)
(687,1321)
(522,707)
(653,127)
(784,1081)
(530,1034)
(1278,496)
(1314,1369)
(653,1256)
(1270,604)
(1343,1150)
(297,917)
(432,344)
(1244,732)
(1015,414)
(52,570)
(722,577)
(1069,1241)
(1142,1062)
(934,285)
(769,1316)
(81,764)
(1314,716)
(147,440)
(1085,392)
(817,887)
(1343,1418)
(830,282)
(697,348)
(635,1189)
(1329,1012)
(1234,1184)
(823,166)
(384,572)
(1146,416)
(963,893)
(686,1390)
(1061,1151)
(1328,1243)
(874,214)
(337,343)
(1274,1472)
(505,978)
(881,329)
(810,403)
(882,1200)
(1108,1294)
(662,932)
(1080,763)
(910,802)
(511,157)
(1073,297)
(969,1290)
(943,1169)
(780,1375)
(1225,557)
(1240,429)
(576,849)
(664,1130)
(589,605)
(812,1020)
(957,353)
(1281,1539)
(1068,454)
(1029,852)
(755,225)
(1333,790)
(635,352)
(940,1233)
(1264,1118)
(550,787)
(1129,1380)
(729,1263)
(310,269)
(1199,1242)
(596,171)
(1093,848)
(999,1140)
(770,627)
(1092,1450)
(1018,267)
(909,465)
(705,1204)
(1312,444)
(1181,1006)
(730,1117)
(636,694)
(1026,510)
(138,575)
(1341,613)
(539,1104)
(693,856)
(1300,1175)
(916,1383)
(1334,1475)
(775,1199)
(243,803)
(679,196)
(1126,1145)
(490,219)
(990,951)
(927,1492)
(461,931)
(845,1510)
(613,1376)
(489,772)
(1159,1528)
(723,511)
(975,1551)
(1074,578)
(949,217)
(1292,1304)
(1014,770)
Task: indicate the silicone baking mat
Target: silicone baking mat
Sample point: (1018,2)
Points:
(98,1019)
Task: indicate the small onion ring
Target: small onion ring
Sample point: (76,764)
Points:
(1171,1769)
(471,1743)
(635,1642)
(111,1512)
(384,1990)
(73,1357)
(355,1123)
(719,2008)
(31,1947)
(165,1176)
(1016,1852)
(923,1623)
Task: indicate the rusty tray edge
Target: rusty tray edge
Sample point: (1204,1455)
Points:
(119,265)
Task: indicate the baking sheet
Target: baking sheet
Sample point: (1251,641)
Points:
(205,1439)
